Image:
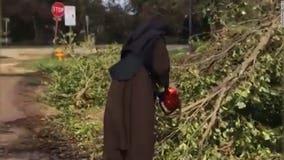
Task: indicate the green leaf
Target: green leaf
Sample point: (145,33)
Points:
(254,132)
(256,99)
(244,93)
(250,125)
(241,105)
(266,136)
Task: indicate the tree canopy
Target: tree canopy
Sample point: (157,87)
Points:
(36,23)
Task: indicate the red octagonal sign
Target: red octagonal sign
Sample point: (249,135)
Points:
(57,9)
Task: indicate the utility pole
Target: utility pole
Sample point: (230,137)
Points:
(189,25)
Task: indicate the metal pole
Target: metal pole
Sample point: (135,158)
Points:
(6,26)
(6,20)
(190,25)
(55,31)
(70,35)
(6,30)
(87,24)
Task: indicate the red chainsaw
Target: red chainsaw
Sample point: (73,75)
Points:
(169,100)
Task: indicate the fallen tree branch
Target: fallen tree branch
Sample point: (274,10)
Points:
(232,26)
(227,148)
(80,94)
(210,59)
(228,83)
(218,57)
(238,72)
(213,116)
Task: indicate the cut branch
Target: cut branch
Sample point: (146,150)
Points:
(79,95)
(208,59)
(213,116)
(238,72)
(228,83)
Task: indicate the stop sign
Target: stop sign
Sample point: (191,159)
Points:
(57,9)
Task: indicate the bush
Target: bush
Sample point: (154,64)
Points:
(79,81)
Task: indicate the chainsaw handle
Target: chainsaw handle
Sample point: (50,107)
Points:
(164,110)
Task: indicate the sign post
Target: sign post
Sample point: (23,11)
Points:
(57,11)
(87,24)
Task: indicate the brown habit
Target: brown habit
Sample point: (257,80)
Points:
(129,115)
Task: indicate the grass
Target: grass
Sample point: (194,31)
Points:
(178,51)
(52,62)
(47,62)
(200,46)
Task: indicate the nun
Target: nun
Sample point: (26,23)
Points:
(137,79)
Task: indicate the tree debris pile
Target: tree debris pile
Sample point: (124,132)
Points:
(232,98)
